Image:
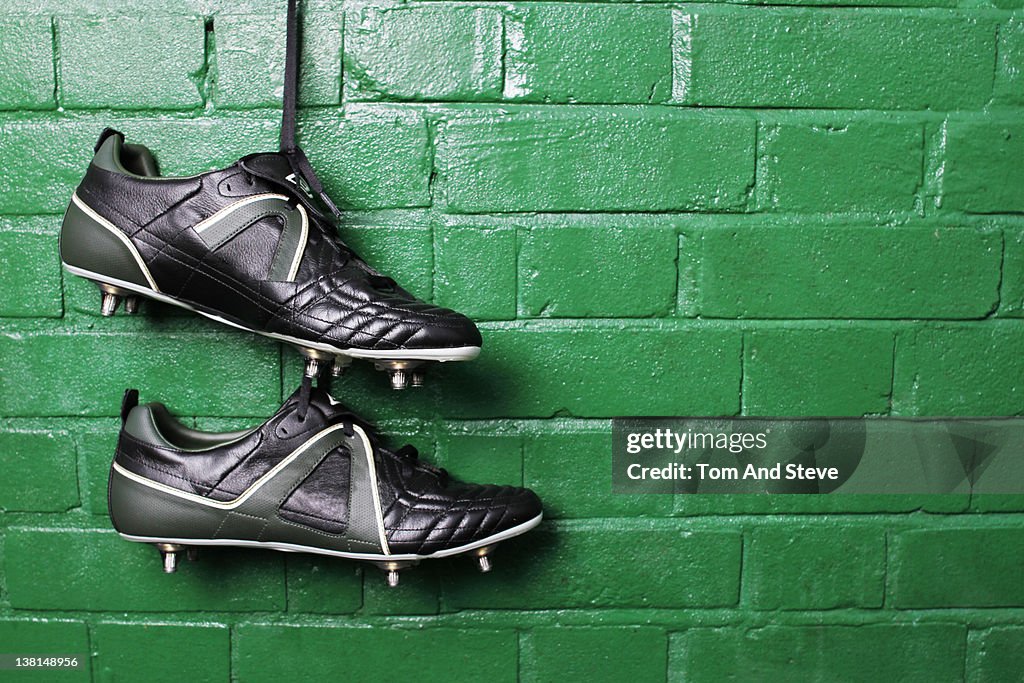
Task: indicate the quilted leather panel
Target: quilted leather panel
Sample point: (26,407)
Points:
(423,514)
(336,297)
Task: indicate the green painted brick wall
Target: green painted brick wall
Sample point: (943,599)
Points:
(775,207)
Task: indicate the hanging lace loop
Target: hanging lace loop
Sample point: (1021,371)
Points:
(289,147)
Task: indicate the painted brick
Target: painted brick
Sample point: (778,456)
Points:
(696,505)
(168,367)
(40,471)
(601,565)
(26,64)
(1009,82)
(959,567)
(808,566)
(183,147)
(102,65)
(405,254)
(548,457)
(30,276)
(418,52)
(250,59)
(995,655)
(420,594)
(478,457)
(475,271)
(95,444)
(371,158)
(94,569)
(984,162)
(27,186)
(1011,302)
(535,371)
(190,146)
(848,272)
(588,53)
(273,653)
(593,654)
(959,370)
(597,272)
(48,637)
(889,59)
(837,371)
(588,159)
(162,652)
(323,585)
(821,653)
(824,166)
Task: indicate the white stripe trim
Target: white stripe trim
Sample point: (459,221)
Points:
(117,233)
(217,217)
(232,504)
(378,512)
(294,270)
(228,504)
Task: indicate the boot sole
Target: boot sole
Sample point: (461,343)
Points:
(371,557)
(440,355)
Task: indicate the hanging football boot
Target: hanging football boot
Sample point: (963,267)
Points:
(255,246)
(313,478)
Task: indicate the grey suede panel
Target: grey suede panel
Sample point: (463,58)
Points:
(140,510)
(234,222)
(86,244)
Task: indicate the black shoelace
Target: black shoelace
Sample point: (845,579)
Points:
(347,419)
(289,147)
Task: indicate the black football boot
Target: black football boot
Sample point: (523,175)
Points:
(313,478)
(255,246)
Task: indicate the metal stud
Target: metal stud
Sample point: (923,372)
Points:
(131,305)
(192,554)
(313,368)
(316,361)
(401,372)
(483,558)
(399,380)
(108,303)
(169,553)
(391,569)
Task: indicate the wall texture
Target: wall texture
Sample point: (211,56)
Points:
(656,209)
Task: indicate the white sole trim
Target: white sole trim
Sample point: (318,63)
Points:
(439,355)
(294,548)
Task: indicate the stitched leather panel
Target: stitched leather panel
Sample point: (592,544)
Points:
(423,511)
(423,517)
(321,501)
(336,298)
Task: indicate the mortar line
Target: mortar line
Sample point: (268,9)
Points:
(55,48)
(885,569)
(892,370)
(743,371)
